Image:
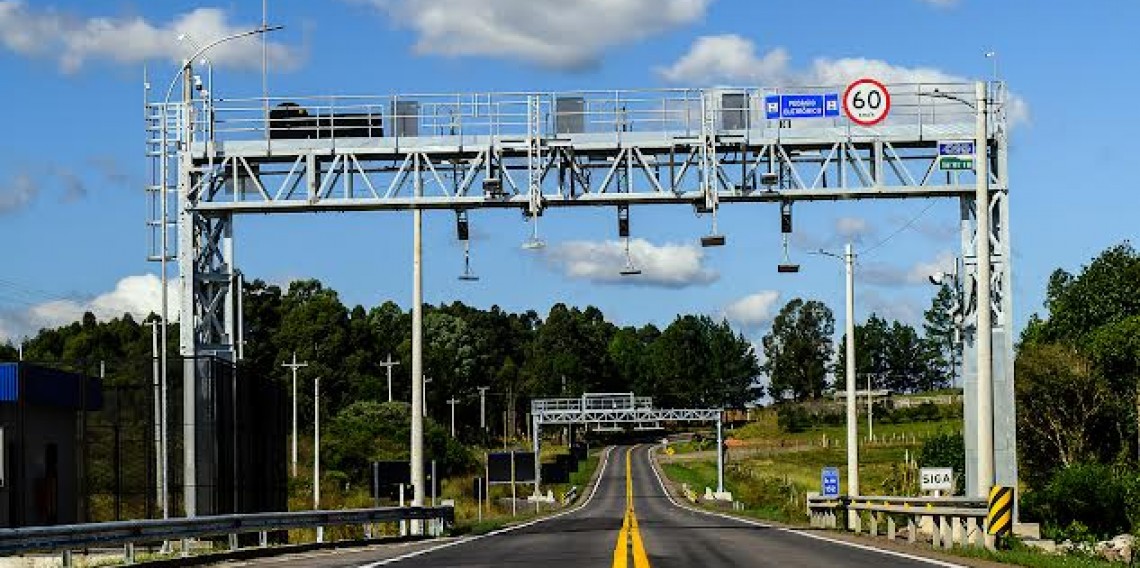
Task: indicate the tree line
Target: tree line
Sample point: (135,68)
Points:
(802,363)
(695,361)
(1078,399)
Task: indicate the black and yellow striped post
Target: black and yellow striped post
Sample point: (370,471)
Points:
(999,515)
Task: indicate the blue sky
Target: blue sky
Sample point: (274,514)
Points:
(72,206)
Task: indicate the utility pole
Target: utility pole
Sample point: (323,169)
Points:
(293,367)
(852,426)
(453,402)
(985,440)
(159,419)
(483,408)
(417,428)
(427,381)
(317,452)
(389,364)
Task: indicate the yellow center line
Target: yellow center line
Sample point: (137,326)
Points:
(629,536)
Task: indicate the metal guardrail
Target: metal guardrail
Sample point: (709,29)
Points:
(948,520)
(67,538)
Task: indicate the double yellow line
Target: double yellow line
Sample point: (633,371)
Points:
(629,539)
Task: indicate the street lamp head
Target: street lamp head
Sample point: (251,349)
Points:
(937,278)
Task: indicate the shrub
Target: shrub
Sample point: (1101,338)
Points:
(1085,501)
(792,418)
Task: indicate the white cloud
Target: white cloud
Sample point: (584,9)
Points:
(137,295)
(893,307)
(667,266)
(734,59)
(921,271)
(882,274)
(561,34)
(17,193)
(724,57)
(73,40)
(853,228)
(754,310)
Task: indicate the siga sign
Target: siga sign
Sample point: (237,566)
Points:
(936,479)
(801,106)
(866,102)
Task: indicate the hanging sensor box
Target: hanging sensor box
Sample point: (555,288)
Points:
(712,241)
(462,228)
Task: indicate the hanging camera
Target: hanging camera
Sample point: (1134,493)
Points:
(463,233)
(787,266)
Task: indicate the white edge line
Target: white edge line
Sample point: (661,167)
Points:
(653,466)
(594,491)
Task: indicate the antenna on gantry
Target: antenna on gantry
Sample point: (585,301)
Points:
(534,243)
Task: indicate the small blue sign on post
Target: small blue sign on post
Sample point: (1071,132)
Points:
(829,482)
(801,106)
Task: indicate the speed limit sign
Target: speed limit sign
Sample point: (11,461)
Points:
(866,102)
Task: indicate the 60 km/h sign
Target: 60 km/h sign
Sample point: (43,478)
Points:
(866,102)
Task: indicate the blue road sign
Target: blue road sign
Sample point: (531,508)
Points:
(801,106)
(829,482)
(956,148)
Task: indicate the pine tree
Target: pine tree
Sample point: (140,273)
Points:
(942,337)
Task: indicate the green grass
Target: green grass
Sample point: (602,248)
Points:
(774,469)
(1022,555)
(697,475)
(771,470)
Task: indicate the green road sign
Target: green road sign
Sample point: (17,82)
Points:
(955,163)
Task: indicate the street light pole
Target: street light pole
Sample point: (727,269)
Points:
(293,367)
(984,473)
(848,259)
(189,401)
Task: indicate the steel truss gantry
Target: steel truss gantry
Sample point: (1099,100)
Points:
(613,409)
(215,158)
(603,409)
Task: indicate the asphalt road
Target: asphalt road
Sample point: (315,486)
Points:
(628,522)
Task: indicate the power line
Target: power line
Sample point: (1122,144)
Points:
(904,227)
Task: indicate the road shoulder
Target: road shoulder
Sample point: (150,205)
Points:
(677,497)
